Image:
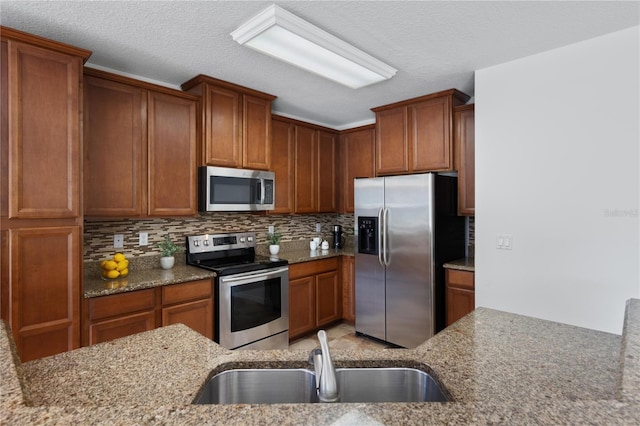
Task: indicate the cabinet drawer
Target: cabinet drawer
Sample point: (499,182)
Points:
(314,267)
(460,279)
(119,304)
(186,291)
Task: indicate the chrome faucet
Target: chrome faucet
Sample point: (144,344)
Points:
(326,383)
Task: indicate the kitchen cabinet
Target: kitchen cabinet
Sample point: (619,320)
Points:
(234,122)
(348,278)
(464,147)
(304,160)
(40,210)
(190,304)
(315,296)
(282,164)
(119,315)
(140,148)
(460,294)
(415,135)
(357,160)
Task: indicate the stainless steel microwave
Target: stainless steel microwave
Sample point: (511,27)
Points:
(226,189)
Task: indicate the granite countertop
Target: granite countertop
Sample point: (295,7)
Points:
(145,272)
(464,264)
(498,368)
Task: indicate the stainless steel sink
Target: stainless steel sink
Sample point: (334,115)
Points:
(273,386)
(260,386)
(387,385)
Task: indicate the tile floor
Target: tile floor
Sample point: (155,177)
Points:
(341,336)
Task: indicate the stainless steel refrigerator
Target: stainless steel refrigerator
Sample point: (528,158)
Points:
(407,228)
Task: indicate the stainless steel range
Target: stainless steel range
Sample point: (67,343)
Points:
(251,291)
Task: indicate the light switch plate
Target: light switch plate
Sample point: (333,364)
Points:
(318,227)
(504,242)
(271,229)
(143,239)
(118,241)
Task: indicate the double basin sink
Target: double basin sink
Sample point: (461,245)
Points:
(298,385)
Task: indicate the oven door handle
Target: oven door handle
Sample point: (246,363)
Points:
(253,276)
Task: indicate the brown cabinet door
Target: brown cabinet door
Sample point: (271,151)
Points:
(464,146)
(392,149)
(326,172)
(282,164)
(122,326)
(430,134)
(44,280)
(459,303)
(348,289)
(460,294)
(171,155)
(256,134)
(358,159)
(222,127)
(302,315)
(305,169)
(328,298)
(114,148)
(43,132)
(197,315)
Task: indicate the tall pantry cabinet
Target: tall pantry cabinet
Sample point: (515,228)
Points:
(40,192)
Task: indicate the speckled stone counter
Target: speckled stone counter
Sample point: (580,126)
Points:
(464,264)
(499,368)
(145,272)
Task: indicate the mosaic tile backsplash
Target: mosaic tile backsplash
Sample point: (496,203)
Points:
(98,235)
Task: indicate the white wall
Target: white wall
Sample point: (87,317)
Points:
(557,159)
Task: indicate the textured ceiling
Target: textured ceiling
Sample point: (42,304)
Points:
(434,45)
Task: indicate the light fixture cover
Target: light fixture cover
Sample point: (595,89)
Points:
(285,36)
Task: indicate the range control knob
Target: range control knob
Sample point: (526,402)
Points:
(206,242)
(196,243)
(242,239)
(249,239)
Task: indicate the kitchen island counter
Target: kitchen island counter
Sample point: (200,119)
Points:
(498,367)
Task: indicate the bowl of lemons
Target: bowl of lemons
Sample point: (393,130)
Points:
(115,268)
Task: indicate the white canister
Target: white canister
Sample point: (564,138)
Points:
(313,245)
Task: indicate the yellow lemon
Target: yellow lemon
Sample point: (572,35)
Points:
(124,272)
(118,257)
(110,265)
(102,264)
(113,274)
(122,265)
(104,273)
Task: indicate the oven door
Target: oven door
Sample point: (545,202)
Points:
(252,306)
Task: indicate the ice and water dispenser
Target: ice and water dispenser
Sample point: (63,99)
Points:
(368,235)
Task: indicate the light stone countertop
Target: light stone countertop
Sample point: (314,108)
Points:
(145,271)
(464,264)
(499,368)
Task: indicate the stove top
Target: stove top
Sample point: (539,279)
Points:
(228,254)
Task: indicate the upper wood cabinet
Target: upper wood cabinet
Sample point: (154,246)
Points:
(464,147)
(140,148)
(305,162)
(357,159)
(282,164)
(235,124)
(41,83)
(40,204)
(416,135)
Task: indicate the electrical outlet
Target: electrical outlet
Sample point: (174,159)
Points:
(118,241)
(143,239)
(318,227)
(271,229)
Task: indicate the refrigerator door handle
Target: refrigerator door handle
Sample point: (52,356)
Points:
(386,254)
(380,238)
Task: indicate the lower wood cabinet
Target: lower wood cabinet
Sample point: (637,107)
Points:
(460,294)
(119,315)
(348,271)
(315,296)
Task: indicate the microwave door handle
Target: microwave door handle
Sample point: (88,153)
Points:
(262,191)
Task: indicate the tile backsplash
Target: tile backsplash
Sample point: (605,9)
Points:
(98,235)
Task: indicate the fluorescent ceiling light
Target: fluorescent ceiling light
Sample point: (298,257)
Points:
(283,35)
